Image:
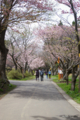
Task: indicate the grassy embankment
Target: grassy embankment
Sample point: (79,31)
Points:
(75,95)
(7,88)
(24,79)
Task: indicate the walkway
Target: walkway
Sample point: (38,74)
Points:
(36,100)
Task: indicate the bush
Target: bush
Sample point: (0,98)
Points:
(27,74)
(14,74)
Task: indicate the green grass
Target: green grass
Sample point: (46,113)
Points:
(6,89)
(26,78)
(75,95)
(29,78)
(70,78)
(55,78)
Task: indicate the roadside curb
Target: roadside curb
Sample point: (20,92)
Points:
(69,99)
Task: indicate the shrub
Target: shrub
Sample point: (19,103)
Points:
(27,74)
(1,90)
(14,74)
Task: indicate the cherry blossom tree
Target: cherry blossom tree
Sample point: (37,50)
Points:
(14,46)
(60,42)
(14,11)
(19,47)
(74,6)
(22,50)
(37,63)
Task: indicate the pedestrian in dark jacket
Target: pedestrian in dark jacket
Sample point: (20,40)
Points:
(41,74)
(37,74)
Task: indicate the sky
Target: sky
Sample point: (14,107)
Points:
(54,17)
(66,18)
(57,15)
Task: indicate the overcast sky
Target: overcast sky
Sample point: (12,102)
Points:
(54,17)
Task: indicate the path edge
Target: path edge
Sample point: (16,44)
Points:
(68,98)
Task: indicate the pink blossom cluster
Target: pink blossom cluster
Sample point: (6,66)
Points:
(59,42)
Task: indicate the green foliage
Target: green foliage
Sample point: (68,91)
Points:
(14,74)
(60,23)
(57,64)
(11,87)
(6,89)
(27,74)
(28,78)
(17,75)
(75,95)
(7,43)
(73,23)
(55,78)
(1,90)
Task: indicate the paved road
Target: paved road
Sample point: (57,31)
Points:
(36,100)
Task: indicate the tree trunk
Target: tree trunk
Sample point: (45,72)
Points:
(77,35)
(15,64)
(25,67)
(79,64)
(79,78)
(67,77)
(21,69)
(23,74)
(3,57)
(14,61)
(64,72)
(73,79)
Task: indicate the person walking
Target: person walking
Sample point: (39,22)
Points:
(37,74)
(46,73)
(49,73)
(41,74)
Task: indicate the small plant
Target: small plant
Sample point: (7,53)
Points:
(27,74)
(1,90)
(6,89)
(14,74)
(10,85)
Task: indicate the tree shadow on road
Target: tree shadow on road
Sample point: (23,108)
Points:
(45,118)
(45,92)
(62,117)
(70,117)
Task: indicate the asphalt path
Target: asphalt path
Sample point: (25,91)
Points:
(36,100)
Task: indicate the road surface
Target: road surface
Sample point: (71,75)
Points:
(36,100)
